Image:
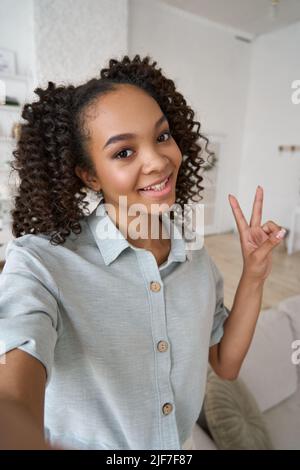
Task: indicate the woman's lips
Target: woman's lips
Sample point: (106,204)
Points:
(165,191)
(158,182)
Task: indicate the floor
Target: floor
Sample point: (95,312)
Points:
(283,281)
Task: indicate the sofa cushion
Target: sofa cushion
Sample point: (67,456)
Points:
(233,417)
(267,369)
(291,307)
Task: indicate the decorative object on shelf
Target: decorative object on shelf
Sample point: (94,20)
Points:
(11,101)
(16,130)
(14,90)
(289,148)
(291,248)
(7,61)
(210,164)
(5,211)
(274,10)
(2,92)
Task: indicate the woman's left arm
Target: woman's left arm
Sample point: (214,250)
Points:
(257,242)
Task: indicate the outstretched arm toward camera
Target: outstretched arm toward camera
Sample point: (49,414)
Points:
(257,244)
(22,392)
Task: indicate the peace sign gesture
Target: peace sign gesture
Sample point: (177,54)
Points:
(257,241)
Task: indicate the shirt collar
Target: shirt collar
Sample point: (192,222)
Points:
(111,242)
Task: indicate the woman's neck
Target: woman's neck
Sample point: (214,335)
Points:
(145,231)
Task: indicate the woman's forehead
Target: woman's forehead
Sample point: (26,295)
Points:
(126,109)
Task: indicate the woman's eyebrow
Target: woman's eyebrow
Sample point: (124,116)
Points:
(118,137)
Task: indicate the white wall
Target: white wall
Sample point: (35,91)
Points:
(272,120)
(17,34)
(63,40)
(210,68)
(75,38)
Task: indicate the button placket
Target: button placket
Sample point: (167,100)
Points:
(159,330)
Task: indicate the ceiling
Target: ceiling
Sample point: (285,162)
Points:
(254,17)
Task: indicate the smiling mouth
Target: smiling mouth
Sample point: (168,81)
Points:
(157,187)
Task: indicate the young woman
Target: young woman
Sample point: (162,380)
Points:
(108,333)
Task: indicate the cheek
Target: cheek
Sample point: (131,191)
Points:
(178,160)
(176,155)
(121,180)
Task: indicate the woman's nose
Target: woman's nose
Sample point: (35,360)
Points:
(154,162)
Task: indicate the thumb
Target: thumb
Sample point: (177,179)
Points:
(268,245)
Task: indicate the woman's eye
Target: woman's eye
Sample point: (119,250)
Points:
(168,135)
(120,155)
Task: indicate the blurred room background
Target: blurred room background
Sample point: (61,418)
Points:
(237,62)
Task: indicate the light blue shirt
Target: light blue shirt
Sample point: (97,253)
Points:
(124,341)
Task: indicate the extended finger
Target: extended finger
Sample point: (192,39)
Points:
(257,208)
(241,222)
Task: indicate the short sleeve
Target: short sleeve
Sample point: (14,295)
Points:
(221,312)
(28,305)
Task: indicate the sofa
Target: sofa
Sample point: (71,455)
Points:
(261,408)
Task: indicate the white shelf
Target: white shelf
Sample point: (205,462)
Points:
(10,140)
(22,78)
(16,86)
(10,108)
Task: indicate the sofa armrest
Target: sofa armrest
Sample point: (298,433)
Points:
(267,370)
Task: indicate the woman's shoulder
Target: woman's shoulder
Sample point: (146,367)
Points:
(28,244)
(31,250)
(25,243)
(25,251)
(25,258)
(41,242)
(38,249)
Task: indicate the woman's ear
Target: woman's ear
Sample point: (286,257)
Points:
(89,180)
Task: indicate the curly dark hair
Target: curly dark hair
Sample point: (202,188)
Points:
(50,196)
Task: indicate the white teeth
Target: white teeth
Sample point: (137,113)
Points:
(157,187)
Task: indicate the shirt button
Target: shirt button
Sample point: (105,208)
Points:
(167,408)
(162,346)
(155,286)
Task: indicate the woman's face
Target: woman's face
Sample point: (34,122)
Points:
(126,164)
